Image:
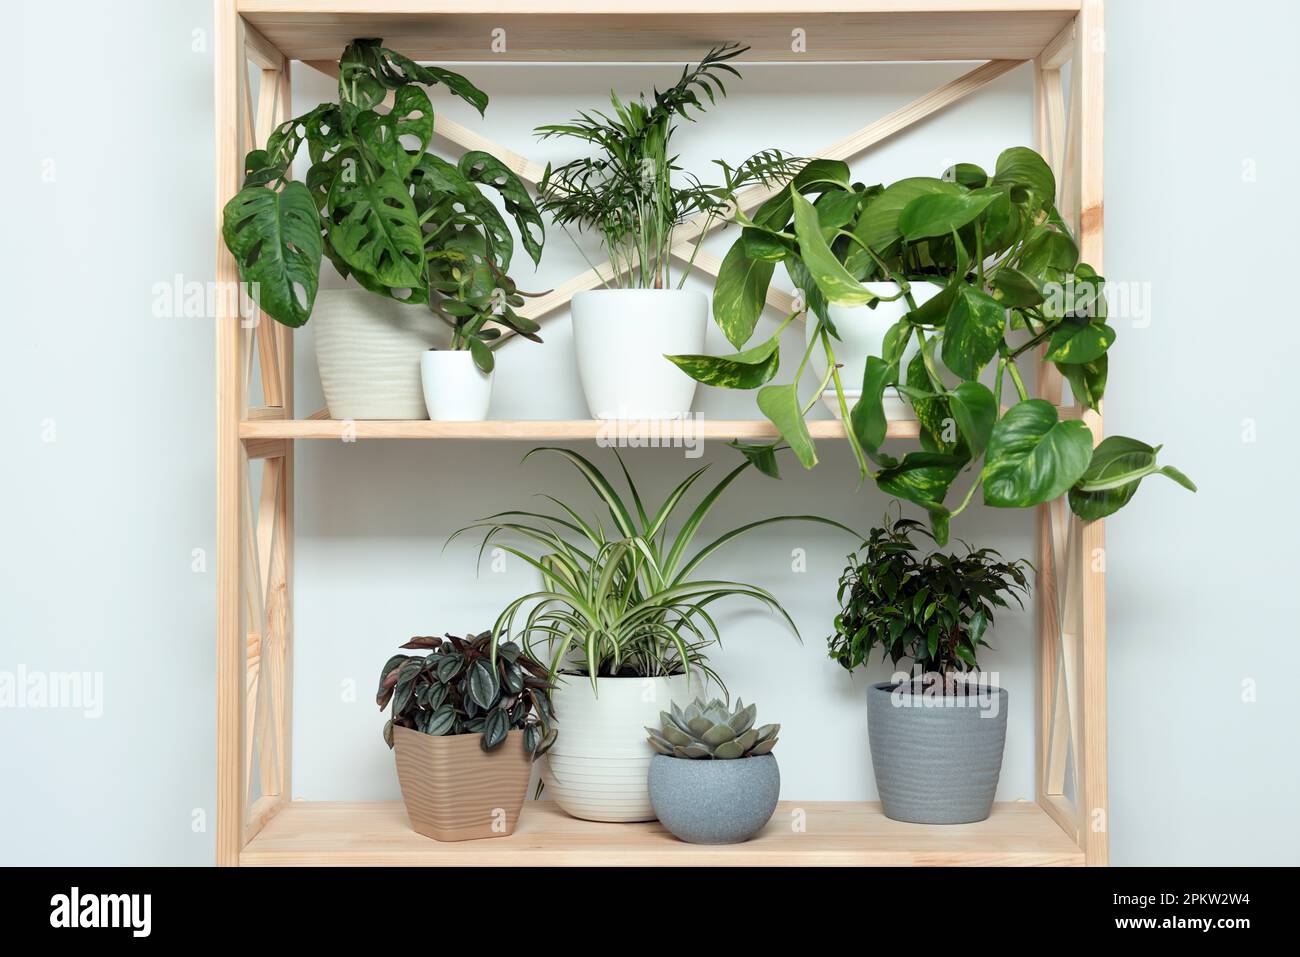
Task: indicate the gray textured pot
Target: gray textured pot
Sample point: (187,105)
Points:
(704,801)
(936,760)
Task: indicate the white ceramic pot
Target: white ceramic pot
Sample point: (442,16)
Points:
(368,350)
(621,337)
(598,769)
(862,334)
(455,389)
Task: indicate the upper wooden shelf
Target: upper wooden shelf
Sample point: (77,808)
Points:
(531,429)
(665,30)
(800,833)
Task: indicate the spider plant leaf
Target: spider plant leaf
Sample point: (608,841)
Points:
(636,496)
(735,533)
(669,504)
(688,529)
(599,484)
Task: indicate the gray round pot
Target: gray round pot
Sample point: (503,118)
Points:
(936,759)
(708,801)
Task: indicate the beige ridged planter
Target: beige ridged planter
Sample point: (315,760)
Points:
(368,351)
(598,769)
(456,791)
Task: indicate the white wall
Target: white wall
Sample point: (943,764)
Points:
(98,573)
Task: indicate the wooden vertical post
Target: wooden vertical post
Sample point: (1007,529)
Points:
(284,530)
(228,62)
(1093,805)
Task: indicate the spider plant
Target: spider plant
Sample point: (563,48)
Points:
(622,602)
(627,192)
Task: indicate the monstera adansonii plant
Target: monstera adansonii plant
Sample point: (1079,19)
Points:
(1010,281)
(400,221)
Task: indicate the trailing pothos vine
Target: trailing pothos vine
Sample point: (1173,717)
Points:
(1010,281)
(400,221)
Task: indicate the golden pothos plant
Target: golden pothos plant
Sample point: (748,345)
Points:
(1010,280)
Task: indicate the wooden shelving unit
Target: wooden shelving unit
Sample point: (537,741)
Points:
(257,823)
(815,833)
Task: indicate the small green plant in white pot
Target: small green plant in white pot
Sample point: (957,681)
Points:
(624,620)
(714,779)
(635,197)
(419,235)
(937,732)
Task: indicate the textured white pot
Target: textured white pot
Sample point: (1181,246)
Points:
(862,334)
(455,389)
(621,337)
(598,768)
(368,350)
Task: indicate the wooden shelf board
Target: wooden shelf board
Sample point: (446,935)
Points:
(551,430)
(665,30)
(378,834)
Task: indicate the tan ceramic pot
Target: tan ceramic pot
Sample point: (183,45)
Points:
(456,791)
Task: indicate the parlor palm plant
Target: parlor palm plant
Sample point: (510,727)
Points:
(632,193)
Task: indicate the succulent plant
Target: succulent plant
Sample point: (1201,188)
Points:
(454,688)
(712,731)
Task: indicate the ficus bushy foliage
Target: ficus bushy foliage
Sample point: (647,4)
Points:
(932,609)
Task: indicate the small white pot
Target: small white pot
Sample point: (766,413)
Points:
(455,389)
(621,337)
(862,334)
(368,350)
(598,769)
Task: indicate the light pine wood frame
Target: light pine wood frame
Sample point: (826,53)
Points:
(255,533)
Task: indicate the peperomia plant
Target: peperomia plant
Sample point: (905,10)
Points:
(933,609)
(1009,280)
(400,221)
(626,191)
(456,687)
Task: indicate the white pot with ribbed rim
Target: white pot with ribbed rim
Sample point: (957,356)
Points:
(368,351)
(862,333)
(455,389)
(598,769)
(621,337)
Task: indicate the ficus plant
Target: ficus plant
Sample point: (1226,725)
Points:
(627,599)
(631,191)
(931,609)
(401,221)
(459,686)
(1009,281)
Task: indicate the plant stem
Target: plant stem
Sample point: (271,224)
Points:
(1015,378)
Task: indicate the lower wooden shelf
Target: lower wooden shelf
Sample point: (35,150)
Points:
(378,834)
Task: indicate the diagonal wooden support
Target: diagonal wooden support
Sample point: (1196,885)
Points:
(686,235)
(844,149)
